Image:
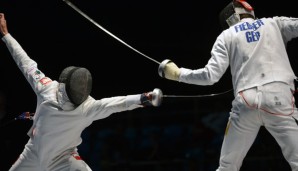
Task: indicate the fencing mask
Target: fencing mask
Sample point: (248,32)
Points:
(230,15)
(78,83)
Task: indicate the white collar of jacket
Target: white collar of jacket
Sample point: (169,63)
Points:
(63,100)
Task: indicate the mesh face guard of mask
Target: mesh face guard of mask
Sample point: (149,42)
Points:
(78,83)
(230,15)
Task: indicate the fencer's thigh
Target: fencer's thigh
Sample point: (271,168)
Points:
(25,163)
(242,129)
(284,129)
(78,164)
(69,163)
(282,125)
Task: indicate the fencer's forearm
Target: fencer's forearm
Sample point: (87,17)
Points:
(132,100)
(211,73)
(105,107)
(27,66)
(17,52)
(122,103)
(198,77)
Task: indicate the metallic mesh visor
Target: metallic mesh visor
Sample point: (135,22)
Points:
(227,14)
(78,83)
(230,15)
(233,19)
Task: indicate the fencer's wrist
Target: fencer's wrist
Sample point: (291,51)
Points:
(4,33)
(6,37)
(176,74)
(146,99)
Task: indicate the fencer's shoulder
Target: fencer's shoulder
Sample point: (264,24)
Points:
(88,105)
(89,101)
(225,34)
(90,98)
(283,18)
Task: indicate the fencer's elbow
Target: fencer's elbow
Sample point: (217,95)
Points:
(209,77)
(212,81)
(204,82)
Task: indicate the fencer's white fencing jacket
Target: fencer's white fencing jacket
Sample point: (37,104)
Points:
(255,50)
(57,124)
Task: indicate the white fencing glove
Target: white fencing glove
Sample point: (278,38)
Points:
(168,69)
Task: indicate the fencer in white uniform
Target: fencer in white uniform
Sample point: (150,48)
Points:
(263,81)
(62,113)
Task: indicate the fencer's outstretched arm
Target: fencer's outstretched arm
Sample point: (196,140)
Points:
(207,75)
(27,66)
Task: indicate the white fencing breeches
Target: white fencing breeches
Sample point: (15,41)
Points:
(272,106)
(71,162)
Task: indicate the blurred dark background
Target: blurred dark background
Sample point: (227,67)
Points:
(183,134)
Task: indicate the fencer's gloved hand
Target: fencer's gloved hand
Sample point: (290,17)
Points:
(3,25)
(152,98)
(146,99)
(168,69)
